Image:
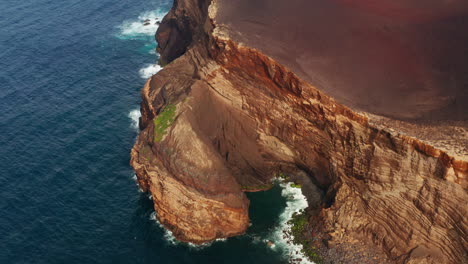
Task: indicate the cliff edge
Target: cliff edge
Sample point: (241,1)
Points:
(223,118)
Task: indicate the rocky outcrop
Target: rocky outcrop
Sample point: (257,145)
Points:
(185,24)
(222,118)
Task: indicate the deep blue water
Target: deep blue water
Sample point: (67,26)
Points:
(69,77)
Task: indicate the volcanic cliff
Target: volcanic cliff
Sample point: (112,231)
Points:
(222,118)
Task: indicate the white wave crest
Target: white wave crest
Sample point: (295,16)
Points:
(172,240)
(134,116)
(135,178)
(149,70)
(146,25)
(168,236)
(295,202)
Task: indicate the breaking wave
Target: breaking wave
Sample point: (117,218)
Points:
(168,236)
(149,70)
(144,26)
(134,116)
(172,240)
(295,202)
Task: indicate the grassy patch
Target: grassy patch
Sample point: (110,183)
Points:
(299,224)
(163,121)
(283,176)
(294,185)
(257,187)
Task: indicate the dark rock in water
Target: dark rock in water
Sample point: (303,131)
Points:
(147,20)
(146,24)
(158,23)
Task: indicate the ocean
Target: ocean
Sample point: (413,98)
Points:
(70,76)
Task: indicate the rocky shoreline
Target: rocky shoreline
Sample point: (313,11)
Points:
(221,116)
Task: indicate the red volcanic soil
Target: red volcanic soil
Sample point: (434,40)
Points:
(413,10)
(398,58)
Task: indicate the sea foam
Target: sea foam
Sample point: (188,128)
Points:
(295,202)
(146,25)
(149,70)
(134,116)
(143,28)
(172,240)
(168,236)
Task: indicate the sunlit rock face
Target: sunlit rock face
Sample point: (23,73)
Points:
(403,59)
(246,95)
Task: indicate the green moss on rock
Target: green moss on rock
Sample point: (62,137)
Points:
(295,185)
(163,121)
(283,176)
(299,223)
(257,187)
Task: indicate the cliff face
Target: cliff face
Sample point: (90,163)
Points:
(221,118)
(185,24)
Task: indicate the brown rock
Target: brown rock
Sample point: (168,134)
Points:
(242,117)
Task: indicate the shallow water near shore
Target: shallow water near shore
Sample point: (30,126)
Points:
(70,81)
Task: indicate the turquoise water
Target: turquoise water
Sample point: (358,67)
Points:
(71,72)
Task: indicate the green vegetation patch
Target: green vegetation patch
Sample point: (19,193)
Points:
(163,121)
(283,176)
(257,187)
(299,224)
(295,185)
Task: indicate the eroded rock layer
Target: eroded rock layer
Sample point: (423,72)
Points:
(222,118)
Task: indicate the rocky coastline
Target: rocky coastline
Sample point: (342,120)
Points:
(223,118)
